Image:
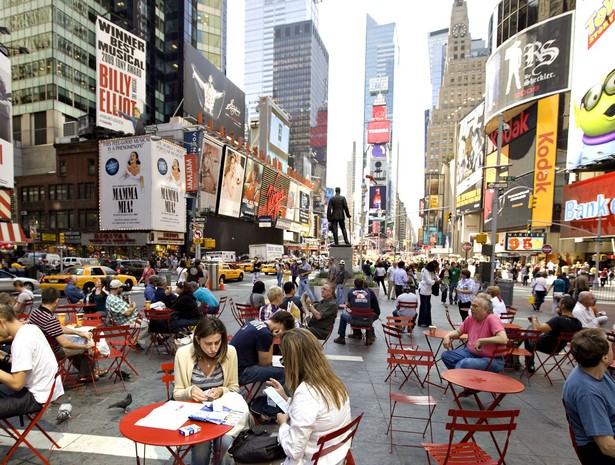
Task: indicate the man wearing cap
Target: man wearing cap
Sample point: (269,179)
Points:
(304,272)
(340,281)
(124,313)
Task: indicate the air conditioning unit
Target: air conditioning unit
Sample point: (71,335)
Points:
(70,129)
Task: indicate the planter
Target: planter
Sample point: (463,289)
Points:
(376,290)
(316,291)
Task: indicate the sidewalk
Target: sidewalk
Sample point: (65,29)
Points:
(92,435)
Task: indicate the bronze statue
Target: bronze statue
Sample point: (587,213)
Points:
(337,212)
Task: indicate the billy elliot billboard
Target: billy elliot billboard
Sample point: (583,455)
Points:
(274,193)
(591,134)
(120,73)
(470,158)
(208,91)
(530,147)
(532,64)
(142,185)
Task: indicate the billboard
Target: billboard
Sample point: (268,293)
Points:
(208,91)
(532,64)
(232,178)
(251,189)
(142,185)
(6,124)
(591,133)
(274,193)
(377,198)
(192,144)
(120,79)
(379,132)
(584,202)
(211,161)
(292,212)
(304,206)
(469,163)
(279,131)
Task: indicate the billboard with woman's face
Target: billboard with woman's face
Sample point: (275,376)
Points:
(231,186)
(211,161)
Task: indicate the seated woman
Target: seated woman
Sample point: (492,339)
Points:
(204,295)
(185,308)
(319,403)
(499,306)
(257,297)
(206,370)
(98,297)
(275,295)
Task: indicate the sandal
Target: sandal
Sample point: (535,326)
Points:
(87,379)
(100,373)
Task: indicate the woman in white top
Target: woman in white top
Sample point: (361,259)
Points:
(319,403)
(429,276)
(499,306)
(539,288)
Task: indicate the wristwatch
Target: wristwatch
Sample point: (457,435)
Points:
(6,358)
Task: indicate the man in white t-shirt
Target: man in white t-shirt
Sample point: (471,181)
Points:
(25,295)
(33,368)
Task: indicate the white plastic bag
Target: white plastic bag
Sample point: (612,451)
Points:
(103,347)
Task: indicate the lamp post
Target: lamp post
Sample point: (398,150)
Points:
(496,200)
(363,192)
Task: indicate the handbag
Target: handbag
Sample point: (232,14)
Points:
(252,447)
(435,289)
(531,299)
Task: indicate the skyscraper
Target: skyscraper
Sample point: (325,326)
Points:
(437,59)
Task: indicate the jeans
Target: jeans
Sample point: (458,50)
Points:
(15,403)
(304,286)
(425,310)
(452,290)
(255,276)
(444,291)
(463,358)
(340,294)
(345,321)
(201,452)
(256,373)
(279,276)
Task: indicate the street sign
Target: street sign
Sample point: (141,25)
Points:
(497,185)
(197,234)
(466,246)
(508,178)
(199,219)
(547,249)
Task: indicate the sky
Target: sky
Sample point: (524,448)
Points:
(342,29)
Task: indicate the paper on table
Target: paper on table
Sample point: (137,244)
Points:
(276,361)
(277,398)
(170,415)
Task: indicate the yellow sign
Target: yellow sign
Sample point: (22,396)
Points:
(197,241)
(61,238)
(433,201)
(48,237)
(544,161)
(209,243)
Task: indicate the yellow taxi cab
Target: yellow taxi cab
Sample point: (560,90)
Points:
(268,268)
(246,266)
(86,277)
(228,272)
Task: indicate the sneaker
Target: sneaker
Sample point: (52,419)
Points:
(369,340)
(340,340)
(467,393)
(356,336)
(531,368)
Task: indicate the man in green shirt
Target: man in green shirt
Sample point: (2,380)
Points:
(453,273)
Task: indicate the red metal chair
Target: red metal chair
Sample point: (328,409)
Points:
(365,314)
(20,437)
(92,319)
(117,352)
(557,357)
(412,360)
(349,431)
(222,304)
(453,324)
(130,343)
(168,377)
(407,305)
(162,337)
(471,422)
(65,366)
(244,313)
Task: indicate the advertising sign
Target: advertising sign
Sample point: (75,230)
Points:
(591,133)
(211,161)
(524,242)
(274,193)
(304,206)
(142,185)
(208,91)
(292,212)
(251,189)
(120,72)
(532,64)
(6,124)
(377,198)
(584,202)
(470,157)
(232,179)
(279,132)
(379,132)
(192,144)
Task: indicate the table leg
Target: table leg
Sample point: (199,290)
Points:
(497,399)
(178,455)
(435,356)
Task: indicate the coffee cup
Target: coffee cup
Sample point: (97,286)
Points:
(79,321)
(62,319)
(147,304)
(432,330)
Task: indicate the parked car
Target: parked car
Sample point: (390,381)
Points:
(227,272)
(131,267)
(73,261)
(7,279)
(86,277)
(50,260)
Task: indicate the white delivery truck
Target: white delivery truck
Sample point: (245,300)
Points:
(221,256)
(266,252)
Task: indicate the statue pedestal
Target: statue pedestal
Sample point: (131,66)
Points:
(342,252)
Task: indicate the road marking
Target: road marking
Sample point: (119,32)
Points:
(345,358)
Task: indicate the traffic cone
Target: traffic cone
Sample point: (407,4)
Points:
(208,286)
(221,287)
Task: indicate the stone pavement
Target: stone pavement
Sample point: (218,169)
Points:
(92,436)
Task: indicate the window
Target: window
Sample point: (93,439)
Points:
(40,128)
(88,219)
(33,194)
(60,192)
(86,191)
(61,219)
(63,168)
(92,167)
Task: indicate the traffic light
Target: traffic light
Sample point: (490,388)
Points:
(61,239)
(533,201)
(449,217)
(529,227)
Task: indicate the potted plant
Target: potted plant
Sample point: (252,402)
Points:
(316,284)
(373,285)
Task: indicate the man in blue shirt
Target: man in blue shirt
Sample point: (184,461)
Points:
(150,290)
(72,292)
(589,397)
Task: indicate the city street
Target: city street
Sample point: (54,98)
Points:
(92,436)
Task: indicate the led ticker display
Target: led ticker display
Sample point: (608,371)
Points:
(524,242)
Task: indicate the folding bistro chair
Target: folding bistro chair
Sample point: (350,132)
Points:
(467,452)
(557,357)
(323,449)
(168,377)
(509,315)
(222,304)
(117,352)
(92,319)
(361,314)
(20,437)
(160,337)
(245,313)
(65,366)
(453,324)
(412,359)
(130,343)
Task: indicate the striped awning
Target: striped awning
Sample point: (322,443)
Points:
(12,233)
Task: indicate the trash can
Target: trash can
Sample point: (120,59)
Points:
(214,275)
(506,290)
(168,275)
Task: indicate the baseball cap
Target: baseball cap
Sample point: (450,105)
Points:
(115,284)
(342,262)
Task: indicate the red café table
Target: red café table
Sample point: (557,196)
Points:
(439,334)
(175,443)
